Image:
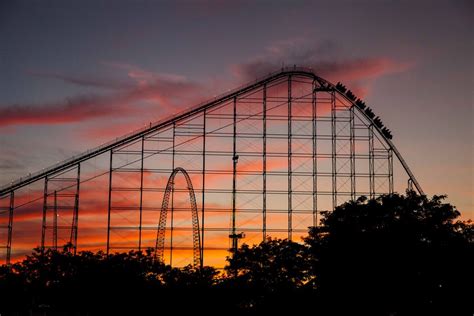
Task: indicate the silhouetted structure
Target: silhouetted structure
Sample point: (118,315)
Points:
(265,160)
(160,237)
(394,255)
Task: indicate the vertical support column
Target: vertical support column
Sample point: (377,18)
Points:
(352,153)
(55,222)
(371,162)
(235,158)
(290,170)
(10,227)
(141,195)
(172,195)
(334,149)
(264,166)
(75,219)
(390,171)
(203,185)
(110,201)
(45,208)
(315,162)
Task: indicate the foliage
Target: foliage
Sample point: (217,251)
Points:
(266,275)
(273,264)
(394,255)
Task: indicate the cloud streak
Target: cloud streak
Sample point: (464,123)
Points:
(142,91)
(71,110)
(164,92)
(85,81)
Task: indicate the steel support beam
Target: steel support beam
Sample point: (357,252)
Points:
(45,209)
(172,194)
(315,148)
(390,171)
(141,194)
(264,165)
(203,184)
(290,170)
(10,226)
(110,201)
(352,153)
(371,163)
(334,149)
(235,158)
(75,216)
(55,222)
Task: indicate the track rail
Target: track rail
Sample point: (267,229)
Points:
(137,134)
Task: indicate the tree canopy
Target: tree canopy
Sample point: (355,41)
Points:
(393,255)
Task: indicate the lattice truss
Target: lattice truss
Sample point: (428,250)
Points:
(263,161)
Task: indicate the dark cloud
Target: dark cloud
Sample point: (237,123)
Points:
(86,81)
(326,59)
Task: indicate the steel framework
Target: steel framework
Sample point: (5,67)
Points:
(264,160)
(160,236)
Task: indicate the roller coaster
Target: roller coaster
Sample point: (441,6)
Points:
(261,160)
(160,237)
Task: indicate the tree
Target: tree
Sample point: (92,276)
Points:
(273,264)
(49,280)
(268,276)
(393,255)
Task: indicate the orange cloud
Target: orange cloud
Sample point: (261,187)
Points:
(166,91)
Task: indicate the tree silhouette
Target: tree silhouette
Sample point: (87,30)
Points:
(273,264)
(393,255)
(265,276)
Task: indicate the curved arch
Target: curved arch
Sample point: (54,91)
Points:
(160,236)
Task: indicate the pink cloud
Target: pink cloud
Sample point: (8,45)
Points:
(71,110)
(154,90)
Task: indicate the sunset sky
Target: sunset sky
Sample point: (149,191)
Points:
(75,74)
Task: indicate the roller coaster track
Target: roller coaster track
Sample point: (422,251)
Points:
(64,165)
(226,129)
